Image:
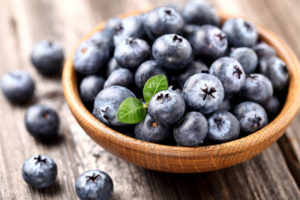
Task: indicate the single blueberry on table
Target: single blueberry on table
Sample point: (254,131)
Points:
(258,88)
(39,171)
(251,116)
(191,130)
(122,77)
(90,57)
(200,12)
(151,131)
(94,185)
(107,103)
(172,51)
(162,20)
(131,52)
(47,57)
(223,127)
(247,58)
(230,72)
(240,33)
(112,66)
(17,86)
(272,107)
(209,41)
(90,86)
(145,71)
(262,49)
(166,107)
(129,27)
(42,122)
(203,92)
(276,70)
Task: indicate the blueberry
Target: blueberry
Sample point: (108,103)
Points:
(230,72)
(262,49)
(162,20)
(122,77)
(151,131)
(200,12)
(193,68)
(203,92)
(107,103)
(225,105)
(166,107)
(277,71)
(112,66)
(145,71)
(90,86)
(131,52)
(209,41)
(111,24)
(17,86)
(103,37)
(129,27)
(47,57)
(191,130)
(223,127)
(240,33)
(94,185)
(257,88)
(41,122)
(247,58)
(189,30)
(172,51)
(272,107)
(251,116)
(39,171)
(90,57)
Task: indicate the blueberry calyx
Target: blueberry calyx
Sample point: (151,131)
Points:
(39,159)
(284,69)
(220,36)
(237,71)
(248,26)
(251,76)
(208,92)
(161,97)
(83,50)
(105,115)
(256,121)
(92,178)
(154,124)
(119,29)
(218,121)
(177,38)
(168,12)
(131,41)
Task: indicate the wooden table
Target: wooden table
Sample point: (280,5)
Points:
(274,174)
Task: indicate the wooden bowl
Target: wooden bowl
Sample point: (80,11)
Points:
(187,159)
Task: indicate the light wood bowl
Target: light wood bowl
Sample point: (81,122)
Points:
(187,159)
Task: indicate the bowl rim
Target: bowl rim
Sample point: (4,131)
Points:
(285,117)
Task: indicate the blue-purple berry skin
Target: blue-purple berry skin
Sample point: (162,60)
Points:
(247,58)
(240,33)
(172,51)
(107,103)
(103,37)
(131,52)
(230,72)
(90,57)
(111,24)
(122,77)
(112,66)
(191,130)
(272,107)
(258,88)
(203,92)
(151,131)
(200,13)
(39,171)
(145,71)
(90,86)
(17,86)
(94,185)
(276,70)
(251,116)
(262,49)
(223,127)
(166,107)
(209,41)
(162,20)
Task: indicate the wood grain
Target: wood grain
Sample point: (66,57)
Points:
(24,22)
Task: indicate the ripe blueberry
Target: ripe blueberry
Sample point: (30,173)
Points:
(247,58)
(90,86)
(122,77)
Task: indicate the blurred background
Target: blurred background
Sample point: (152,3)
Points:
(274,174)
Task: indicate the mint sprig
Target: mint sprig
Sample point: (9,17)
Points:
(132,110)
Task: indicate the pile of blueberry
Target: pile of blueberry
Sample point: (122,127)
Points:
(224,82)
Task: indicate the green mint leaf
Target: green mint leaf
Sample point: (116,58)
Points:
(131,111)
(153,85)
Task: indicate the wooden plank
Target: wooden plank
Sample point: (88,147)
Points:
(22,23)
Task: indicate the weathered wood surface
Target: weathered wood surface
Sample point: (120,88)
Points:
(273,174)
